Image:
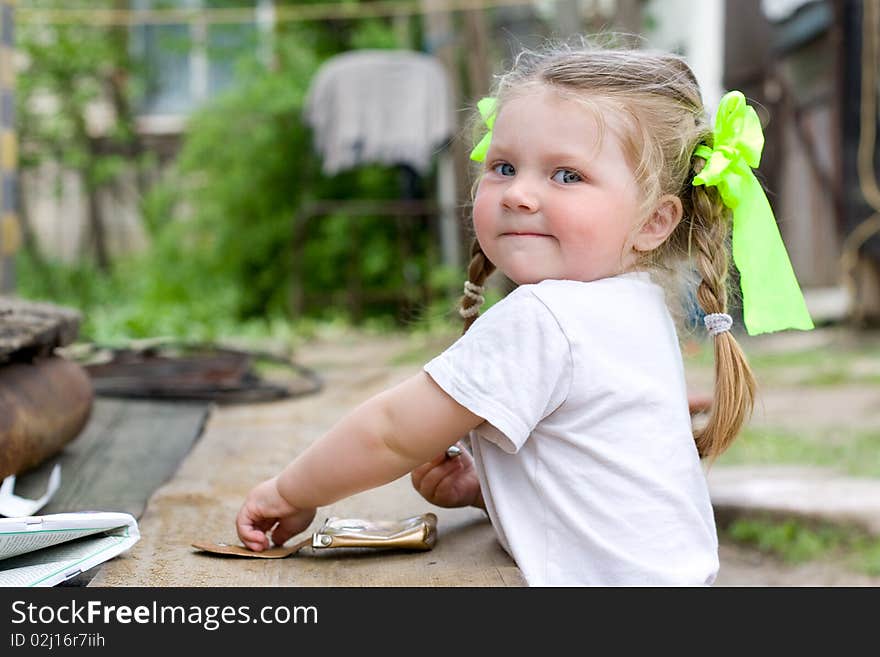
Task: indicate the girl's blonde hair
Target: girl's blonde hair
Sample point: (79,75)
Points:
(658,97)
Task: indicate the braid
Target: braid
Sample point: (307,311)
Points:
(709,233)
(478,271)
(734,381)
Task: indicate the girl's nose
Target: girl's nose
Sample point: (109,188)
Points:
(518,196)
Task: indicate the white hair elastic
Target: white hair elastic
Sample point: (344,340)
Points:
(717,323)
(469,312)
(475,292)
(472,291)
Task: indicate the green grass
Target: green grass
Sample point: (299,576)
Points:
(135,301)
(838,376)
(790,540)
(854,452)
(796,542)
(802,358)
(825,366)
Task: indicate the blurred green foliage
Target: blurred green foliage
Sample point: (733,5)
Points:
(220,218)
(793,541)
(854,451)
(799,541)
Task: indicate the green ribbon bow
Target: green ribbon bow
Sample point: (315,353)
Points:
(772,299)
(486,106)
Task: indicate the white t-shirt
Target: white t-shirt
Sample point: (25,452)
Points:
(587,459)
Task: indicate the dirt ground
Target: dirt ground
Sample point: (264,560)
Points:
(791,406)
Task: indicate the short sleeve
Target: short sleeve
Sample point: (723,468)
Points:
(513,368)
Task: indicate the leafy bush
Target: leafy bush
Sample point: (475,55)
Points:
(247,167)
(220,220)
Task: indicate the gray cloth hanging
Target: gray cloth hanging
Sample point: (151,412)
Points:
(379,106)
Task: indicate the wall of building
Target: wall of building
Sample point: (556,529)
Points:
(56,208)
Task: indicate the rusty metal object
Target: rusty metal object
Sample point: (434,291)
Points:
(43,406)
(177,371)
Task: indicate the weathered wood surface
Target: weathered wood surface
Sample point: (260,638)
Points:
(126,451)
(28,328)
(242,445)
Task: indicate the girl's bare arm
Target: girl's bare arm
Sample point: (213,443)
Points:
(381,440)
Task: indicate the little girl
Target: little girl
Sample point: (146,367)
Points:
(599,170)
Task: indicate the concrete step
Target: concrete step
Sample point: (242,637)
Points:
(804,492)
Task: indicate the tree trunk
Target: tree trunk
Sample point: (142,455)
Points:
(98,237)
(96,223)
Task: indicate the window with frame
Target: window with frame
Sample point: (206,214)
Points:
(184,64)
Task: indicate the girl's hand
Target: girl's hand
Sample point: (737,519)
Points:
(449,482)
(699,403)
(262,509)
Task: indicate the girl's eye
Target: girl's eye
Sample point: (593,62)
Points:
(504,169)
(567,176)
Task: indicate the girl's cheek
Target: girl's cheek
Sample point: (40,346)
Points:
(481,212)
(483,227)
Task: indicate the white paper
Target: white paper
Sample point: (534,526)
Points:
(47,550)
(13,506)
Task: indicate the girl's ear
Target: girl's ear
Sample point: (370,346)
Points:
(660,224)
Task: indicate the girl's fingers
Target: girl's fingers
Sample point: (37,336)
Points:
(418,473)
(449,490)
(432,479)
(437,480)
(252,533)
(425,468)
(250,537)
